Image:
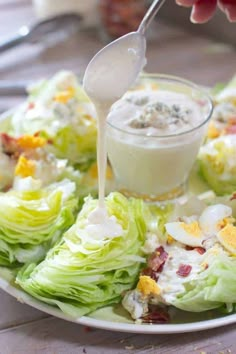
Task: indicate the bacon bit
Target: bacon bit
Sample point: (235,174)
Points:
(156,315)
(189,248)
(31,105)
(233,196)
(231,129)
(7,188)
(200,250)
(232,120)
(50,141)
(157,259)
(10,145)
(149,272)
(184,270)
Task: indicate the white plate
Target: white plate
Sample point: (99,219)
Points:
(114,318)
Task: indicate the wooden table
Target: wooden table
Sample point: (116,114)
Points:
(25,330)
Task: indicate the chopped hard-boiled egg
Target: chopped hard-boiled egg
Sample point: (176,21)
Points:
(188,234)
(227,237)
(25,167)
(65,96)
(31,142)
(148,286)
(214,218)
(213,132)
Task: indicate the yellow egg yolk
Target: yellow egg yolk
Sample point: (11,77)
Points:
(31,142)
(213,132)
(24,167)
(65,96)
(192,229)
(227,237)
(148,286)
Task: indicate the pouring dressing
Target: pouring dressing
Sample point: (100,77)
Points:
(107,78)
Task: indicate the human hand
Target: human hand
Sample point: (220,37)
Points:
(203,10)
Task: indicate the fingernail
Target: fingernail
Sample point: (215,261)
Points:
(192,17)
(231,16)
(227,12)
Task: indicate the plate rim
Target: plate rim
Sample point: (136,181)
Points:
(27,299)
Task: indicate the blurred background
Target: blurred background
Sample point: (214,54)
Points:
(205,54)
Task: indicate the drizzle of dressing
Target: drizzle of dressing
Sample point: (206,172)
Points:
(108,76)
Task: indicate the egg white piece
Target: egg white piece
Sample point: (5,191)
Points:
(211,217)
(188,234)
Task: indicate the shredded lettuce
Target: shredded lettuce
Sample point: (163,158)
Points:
(32,220)
(82,274)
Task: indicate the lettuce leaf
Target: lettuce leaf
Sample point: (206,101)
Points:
(59,110)
(32,221)
(217,162)
(81,274)
(212,288)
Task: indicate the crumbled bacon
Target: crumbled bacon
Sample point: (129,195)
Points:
(231,129)
(156,315)
(189,248)
(200,250)
(233,196)
(9,145)
(157,259)
(31,105)
(149,272)
(184,270)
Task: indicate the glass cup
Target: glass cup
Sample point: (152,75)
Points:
(157,167)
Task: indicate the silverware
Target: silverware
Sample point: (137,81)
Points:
(60,26)
(149,16)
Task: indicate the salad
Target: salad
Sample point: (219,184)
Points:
(158,257)
(58,110)
(217,159)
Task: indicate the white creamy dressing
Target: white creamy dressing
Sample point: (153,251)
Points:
(155,113)
(107,77)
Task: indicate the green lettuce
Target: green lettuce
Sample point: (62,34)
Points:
(59,110)
(213,288)
(33,220)
(217,163)
(81,274)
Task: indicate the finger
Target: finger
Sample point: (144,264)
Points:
(203,10)
(186,3)
(231,13)
(229,8)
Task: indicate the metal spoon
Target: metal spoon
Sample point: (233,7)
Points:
(60,26)
(115,67)
(149,16)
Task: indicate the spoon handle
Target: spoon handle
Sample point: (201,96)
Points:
(150,14)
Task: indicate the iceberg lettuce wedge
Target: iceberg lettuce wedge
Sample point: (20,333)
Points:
(212,288)
(59,110)
(31,221)
(83,273)
(217,162)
